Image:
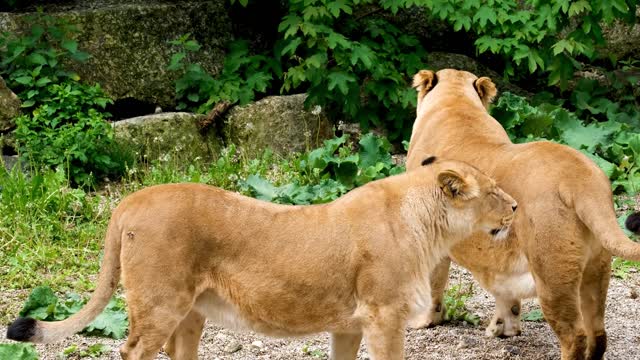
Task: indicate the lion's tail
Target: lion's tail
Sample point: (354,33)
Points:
(600,218)
(30,330)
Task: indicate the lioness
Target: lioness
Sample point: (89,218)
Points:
(356,266)
(563,235)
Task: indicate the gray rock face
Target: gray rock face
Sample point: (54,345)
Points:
(158,135)
(277,122)
(9,107)
(443,60)
(623,40)
(128,42)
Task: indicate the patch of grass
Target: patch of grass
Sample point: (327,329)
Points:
(455,299)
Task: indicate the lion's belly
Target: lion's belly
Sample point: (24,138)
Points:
(223,313)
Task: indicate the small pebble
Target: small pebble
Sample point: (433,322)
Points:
(467,342)
(257,344)
(232,347)
(512,350)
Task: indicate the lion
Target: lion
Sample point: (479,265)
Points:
(562,237)
(355,267)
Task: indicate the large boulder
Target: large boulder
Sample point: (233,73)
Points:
(623,39)
(154,136)
(129,42)
(9,107)
(443,60)
(280,123)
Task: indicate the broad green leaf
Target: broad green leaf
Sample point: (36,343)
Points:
(262,189)
(37,305)
(364,54)
(485,14)
(18,352)
(340,79)
(38,59)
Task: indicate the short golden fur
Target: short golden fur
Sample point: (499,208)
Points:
(355,267)
(563,234)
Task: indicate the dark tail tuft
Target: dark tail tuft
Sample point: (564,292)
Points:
(633,222)
(23,329)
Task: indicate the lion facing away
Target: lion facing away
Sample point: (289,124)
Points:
(565,230)
(355,267)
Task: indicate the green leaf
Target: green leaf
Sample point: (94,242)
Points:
(338,5)
(262,189)
(192,45)
(291,46)
(561,46)
(535,315)
(39,302)
(374,150)
(24,80)
(340,79)
(364,54)
(485,14)
(112,322)
(38,59)
(176,61)
(70,45)
(334,39)
(18,352)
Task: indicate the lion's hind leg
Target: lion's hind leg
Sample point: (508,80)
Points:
(593,295)
(183,343)
(153,317)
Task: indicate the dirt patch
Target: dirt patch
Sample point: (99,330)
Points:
(449,342)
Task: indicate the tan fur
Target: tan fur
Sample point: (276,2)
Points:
(356,267)
(564,231)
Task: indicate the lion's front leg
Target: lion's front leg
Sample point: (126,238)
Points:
(506,320)
(438,281)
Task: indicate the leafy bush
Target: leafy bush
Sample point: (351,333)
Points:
(69,130)
(32,62)
(66,125)
(330,171)
(18,352)
(545,36)
(242,76)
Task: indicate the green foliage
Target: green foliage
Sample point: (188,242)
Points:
(330,171)
(43,304)
(536,36)
(32,62)
(356,67)
(69,130)
(18,352)
(66,124)
(316,353)
(455,299)
(534,315)
(242,76)
(614,146)
(91,351)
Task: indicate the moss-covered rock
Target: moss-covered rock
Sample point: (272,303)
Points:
(128,42)
(154,136)
(9,107)
(280,123)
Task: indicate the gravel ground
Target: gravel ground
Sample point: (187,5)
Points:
(448,342)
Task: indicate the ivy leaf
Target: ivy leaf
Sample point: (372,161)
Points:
(364,54)
(334,39)
(339,5)
(291,46)
(485,14)
(259,81)
(562,45)
(290,25)
(340,79)
(578,7)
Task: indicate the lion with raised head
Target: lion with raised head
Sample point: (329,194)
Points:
(355,267)
(563,235)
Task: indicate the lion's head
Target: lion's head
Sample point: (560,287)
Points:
(474,200)
(450,81)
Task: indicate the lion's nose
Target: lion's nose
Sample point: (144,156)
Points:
(514,207)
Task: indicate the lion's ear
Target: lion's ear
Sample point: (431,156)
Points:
(456,186)
(486,90)
(424,81)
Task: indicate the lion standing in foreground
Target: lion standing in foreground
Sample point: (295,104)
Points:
(355,267)
(563,235)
